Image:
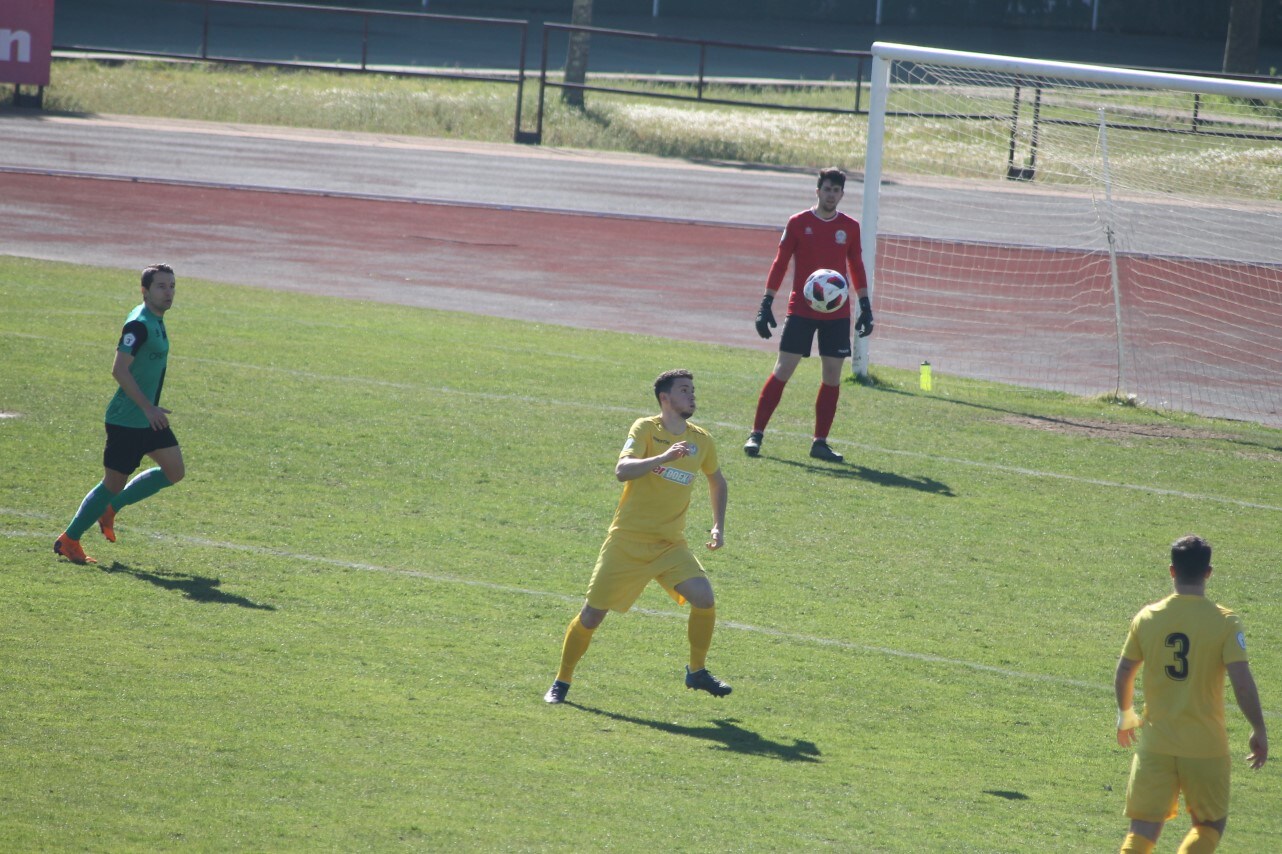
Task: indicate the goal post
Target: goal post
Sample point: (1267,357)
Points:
(1093,230)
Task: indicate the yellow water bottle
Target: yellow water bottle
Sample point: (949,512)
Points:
(927,383)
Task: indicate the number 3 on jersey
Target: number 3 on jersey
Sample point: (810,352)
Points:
(1180,643)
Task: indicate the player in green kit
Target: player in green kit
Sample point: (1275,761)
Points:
(136,424)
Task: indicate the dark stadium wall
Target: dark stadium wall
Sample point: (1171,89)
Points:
(1199,19)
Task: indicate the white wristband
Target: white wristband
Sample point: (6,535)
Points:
(1127,719)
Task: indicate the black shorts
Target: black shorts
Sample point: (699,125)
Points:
(126,446)
(799,334)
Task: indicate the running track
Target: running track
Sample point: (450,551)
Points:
(644,274)
(670,279)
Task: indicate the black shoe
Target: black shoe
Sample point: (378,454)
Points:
(702,680)
(820,451)
(556,694)
(752,447)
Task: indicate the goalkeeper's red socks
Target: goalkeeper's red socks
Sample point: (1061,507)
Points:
(771,392)
(825,409)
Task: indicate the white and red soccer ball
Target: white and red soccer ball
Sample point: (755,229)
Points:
(826,291)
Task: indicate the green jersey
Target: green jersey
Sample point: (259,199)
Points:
(144,338)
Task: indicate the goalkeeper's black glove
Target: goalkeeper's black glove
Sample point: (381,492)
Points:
(766,317)
(864,324)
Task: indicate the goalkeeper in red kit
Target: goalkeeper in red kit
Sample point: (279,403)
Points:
(815,239)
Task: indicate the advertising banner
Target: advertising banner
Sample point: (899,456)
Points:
(26,41)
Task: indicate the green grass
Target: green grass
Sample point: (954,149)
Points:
(336,632)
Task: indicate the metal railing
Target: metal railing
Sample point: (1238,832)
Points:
(699,79)
(205,54)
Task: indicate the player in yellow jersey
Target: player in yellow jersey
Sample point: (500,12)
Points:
(659,462)
(1184,644)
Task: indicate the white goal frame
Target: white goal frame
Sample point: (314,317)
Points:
(886,54)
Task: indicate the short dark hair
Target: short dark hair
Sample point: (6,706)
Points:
(833,174)
(663,384)
(1191,557)
(150,273)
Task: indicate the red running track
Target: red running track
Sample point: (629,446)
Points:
(1197,335)
(677,280)
(684,281)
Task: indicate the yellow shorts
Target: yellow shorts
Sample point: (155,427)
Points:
(625,566)
(1153,791)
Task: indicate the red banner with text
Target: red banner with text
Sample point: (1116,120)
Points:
(26,41)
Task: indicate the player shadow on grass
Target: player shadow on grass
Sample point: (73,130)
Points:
(195,587)
(881,478)
(728,735)
(1008,795)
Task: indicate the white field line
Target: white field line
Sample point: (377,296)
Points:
(366,382)
(440,578)
(526,399)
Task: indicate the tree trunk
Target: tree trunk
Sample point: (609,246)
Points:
(1242,47)
(576,57)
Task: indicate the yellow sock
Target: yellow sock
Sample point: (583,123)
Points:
(1136,844)
(575,644)
(699,629)
(1201,840)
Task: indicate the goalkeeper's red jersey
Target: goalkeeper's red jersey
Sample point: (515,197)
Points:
(813,244)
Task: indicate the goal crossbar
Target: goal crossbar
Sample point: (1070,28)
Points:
(890,51)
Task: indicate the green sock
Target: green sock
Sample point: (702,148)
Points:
(144,485)
(94,505)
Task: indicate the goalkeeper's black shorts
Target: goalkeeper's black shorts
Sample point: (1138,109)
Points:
(799,333)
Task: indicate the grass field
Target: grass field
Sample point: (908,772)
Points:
(335,633)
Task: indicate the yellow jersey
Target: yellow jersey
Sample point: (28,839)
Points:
(654,505)
(1185,643)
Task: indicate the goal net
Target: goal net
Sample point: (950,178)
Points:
(1086,229)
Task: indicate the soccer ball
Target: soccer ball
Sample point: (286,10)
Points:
(826,291)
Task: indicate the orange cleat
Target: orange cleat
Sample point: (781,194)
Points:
(70,549)
(107,524)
